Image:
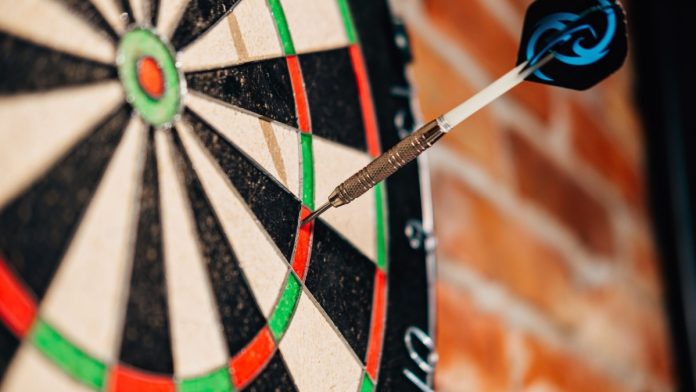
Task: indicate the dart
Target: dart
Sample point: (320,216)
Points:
(570,44)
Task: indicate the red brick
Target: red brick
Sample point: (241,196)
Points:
(637,333)
(550,366)
(440,89)
(478,32)
(555,190)
(535,97)
(472,345)
(644,262)
(474,232)
(619,114)
(591,143)
(610,320)
(520,6)
(657,349)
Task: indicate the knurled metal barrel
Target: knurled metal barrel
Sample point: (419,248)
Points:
(386,164)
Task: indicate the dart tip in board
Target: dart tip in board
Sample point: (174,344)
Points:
(316,214)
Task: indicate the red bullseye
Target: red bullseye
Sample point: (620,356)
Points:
(150,77)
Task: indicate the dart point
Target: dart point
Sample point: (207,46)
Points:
(316,213)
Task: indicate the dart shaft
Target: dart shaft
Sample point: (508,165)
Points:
(415,144)
(422,139)
(387,164)
(486,96)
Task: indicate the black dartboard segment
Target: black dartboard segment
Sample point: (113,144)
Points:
(198,17)
(127,11)
(149,11)
(154,10)
(8,346)
(146,341)
(251,87)
(36,68)
(341,279)
(332,93)
(215,215)
(275,377)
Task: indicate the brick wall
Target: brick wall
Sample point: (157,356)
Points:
(547,273)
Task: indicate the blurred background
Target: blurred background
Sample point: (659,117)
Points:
(549,274)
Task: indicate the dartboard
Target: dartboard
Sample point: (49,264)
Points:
(156,160)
